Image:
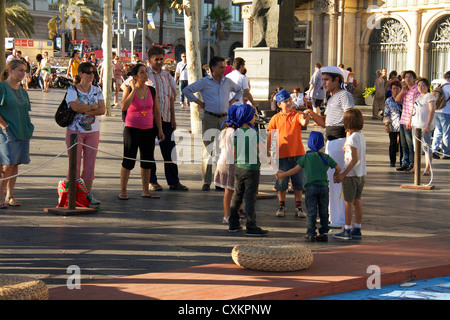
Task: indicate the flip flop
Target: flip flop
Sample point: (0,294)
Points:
(123,197)
(12,202)
(3,205)
(152,195)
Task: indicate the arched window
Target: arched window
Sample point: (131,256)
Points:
(440,49)
(388,48)
(179,49)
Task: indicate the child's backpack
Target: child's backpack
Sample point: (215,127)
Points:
(83,198)
(438,92)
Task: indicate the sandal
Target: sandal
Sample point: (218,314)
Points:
(151,195)
(178,187)
(3,205)
(123,197)
(12,202)
(155,187)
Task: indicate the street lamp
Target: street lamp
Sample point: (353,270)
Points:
(62,31)
(120,18)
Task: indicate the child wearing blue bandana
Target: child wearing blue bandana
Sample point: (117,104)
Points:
(246,171)
(315,165)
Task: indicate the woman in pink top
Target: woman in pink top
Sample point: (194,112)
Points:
(142,111)
(118,79)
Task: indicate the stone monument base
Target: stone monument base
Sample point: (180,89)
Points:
(269,68)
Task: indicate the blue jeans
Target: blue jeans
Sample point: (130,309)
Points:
(407,144)
(183,84)
(316,201)
(246,184)
(442,132)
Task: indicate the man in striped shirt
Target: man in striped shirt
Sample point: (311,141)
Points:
(333,122)
(165,86)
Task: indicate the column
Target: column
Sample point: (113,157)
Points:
(332,40)
(318,41)
(413,56)
(248,26)
(424,58)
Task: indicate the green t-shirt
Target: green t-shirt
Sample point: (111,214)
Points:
(14,109)
(246,151)
(314,169)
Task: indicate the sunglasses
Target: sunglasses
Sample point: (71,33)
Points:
(89,72)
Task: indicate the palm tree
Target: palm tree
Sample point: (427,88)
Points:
(164,6)
(91,20)
(221,18)
(18,18)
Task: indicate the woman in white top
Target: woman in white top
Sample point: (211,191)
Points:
(298,98)
(87,101)
(423,117)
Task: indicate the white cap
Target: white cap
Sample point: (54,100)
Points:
(332,70)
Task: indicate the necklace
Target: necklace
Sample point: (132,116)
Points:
(141,96)
(84,90)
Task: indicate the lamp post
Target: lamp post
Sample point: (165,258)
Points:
(119,31)
(62,31)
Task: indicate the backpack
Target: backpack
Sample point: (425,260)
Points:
(438,92)
(64,114)
(83,198)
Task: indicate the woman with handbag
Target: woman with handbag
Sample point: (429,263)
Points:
(16,128)
(87,101)
(142,112)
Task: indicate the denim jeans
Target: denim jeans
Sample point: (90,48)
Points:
(442,132)
(407,144)
(316,201)
(246,184)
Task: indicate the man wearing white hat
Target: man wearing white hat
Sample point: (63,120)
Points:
(333,122)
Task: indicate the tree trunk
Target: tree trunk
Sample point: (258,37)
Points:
(161,23)
(194,65)
(2,34)
(107,54)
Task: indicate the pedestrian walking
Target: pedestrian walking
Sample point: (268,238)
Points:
(316,90)
(16,128)
(182,79)
(239,78)
(380,96)
(333,121)
(215,90)
(315,165)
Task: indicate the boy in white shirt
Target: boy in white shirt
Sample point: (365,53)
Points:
(353,176)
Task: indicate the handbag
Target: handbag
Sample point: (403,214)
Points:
(64,114)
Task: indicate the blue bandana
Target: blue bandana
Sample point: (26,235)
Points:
(244,114)
(315,143)
(282,95)
(231,115)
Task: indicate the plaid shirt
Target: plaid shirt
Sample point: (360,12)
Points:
(408,103)
(166,88)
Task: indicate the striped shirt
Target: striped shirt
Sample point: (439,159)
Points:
(409,97)
(166,88)
(336,105)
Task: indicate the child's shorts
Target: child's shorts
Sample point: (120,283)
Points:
(298,179)
(352,188)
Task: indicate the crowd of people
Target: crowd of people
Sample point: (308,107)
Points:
(331,174)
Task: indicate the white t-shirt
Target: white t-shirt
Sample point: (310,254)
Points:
(298,100)
(358,141)
(242,81)
(81,122)
(182,71)
(226,145)
(421,111)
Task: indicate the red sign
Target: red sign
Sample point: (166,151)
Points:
(30,43)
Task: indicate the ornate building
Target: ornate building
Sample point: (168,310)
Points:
(370,35)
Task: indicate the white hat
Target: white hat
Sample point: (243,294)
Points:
(332,70)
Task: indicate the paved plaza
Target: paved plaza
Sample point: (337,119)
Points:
(182,229)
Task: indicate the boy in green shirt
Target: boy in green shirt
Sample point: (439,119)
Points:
(246,171)
(315,165)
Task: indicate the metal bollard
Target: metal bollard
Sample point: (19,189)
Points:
(417,156)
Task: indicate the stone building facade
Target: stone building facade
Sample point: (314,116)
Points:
(173,27)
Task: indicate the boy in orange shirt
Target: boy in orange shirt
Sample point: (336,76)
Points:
(287,126)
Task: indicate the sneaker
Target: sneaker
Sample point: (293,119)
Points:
(225,220)
(281,212)
(94,201)
(436,156)
(343,235)
(256,232)
(299,212)
(356,233)
(323,237)
(235,229)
